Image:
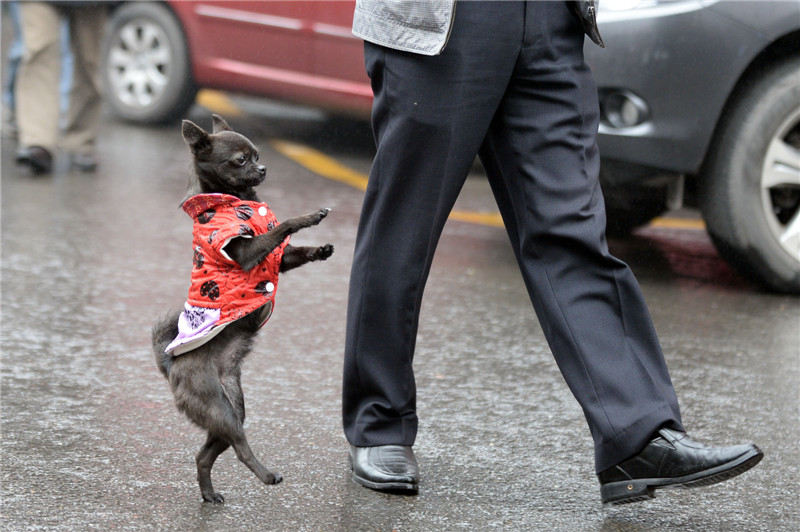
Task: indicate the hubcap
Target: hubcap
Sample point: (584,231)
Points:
(139,63)
(780,185)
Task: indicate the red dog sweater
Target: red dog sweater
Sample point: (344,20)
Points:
(221,291)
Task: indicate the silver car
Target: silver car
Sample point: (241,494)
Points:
(701,102)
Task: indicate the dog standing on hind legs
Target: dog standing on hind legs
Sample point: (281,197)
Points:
(239,250)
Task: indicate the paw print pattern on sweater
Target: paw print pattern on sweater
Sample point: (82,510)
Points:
(210,289)
(243,212)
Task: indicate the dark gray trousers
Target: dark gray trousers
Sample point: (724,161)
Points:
(511,86)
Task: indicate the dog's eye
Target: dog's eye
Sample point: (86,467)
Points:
(241,160)
(255,157)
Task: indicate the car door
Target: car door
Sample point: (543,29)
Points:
(295,50)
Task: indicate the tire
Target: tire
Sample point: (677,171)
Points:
(750,186)
(147,70)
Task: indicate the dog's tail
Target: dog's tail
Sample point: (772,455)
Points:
(164,331)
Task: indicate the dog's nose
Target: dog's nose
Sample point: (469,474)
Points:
(262,170)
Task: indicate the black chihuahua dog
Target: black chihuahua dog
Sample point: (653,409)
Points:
(200,349)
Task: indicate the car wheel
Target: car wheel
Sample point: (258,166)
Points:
(750,187)
(147,69)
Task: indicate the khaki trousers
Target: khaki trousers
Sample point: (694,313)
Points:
(37,83)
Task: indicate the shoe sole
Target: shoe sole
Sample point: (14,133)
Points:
(400,488)
(389,487)
(616,493)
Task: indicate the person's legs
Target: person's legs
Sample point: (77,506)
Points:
(65,83)
(543,165)
(542,162)
(37,80)
(430,116)
(15,52)
(83,115)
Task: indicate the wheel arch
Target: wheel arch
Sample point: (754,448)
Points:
(778,51)
(740,242)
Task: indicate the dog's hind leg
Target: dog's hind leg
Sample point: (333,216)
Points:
(206,457)
(230,421)
(246,456)
(228,425)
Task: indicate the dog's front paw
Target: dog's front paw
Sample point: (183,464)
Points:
(322,213)
(274,478)
(323,252)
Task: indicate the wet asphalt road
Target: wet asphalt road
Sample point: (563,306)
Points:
(91,440)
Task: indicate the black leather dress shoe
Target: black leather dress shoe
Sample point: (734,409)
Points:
(391,468)
(673,460)
(39,159)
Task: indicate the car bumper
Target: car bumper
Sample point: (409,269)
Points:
(676,67)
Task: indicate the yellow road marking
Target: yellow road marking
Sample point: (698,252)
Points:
(321,164)
(327,167)
(678,223)
(492,219)
(218,102)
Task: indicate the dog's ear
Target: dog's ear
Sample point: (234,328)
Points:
(198,140)
(220,124)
